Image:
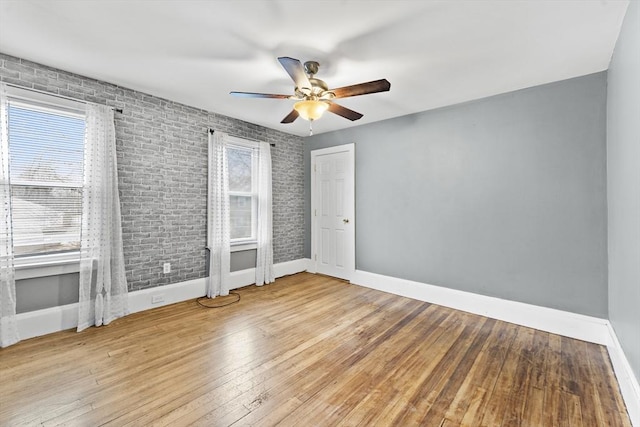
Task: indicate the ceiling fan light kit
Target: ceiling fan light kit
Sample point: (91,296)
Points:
(313,95)
(311,109)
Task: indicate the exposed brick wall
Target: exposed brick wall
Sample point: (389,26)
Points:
(162,166)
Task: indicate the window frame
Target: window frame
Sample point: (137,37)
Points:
(41,265)
(247,243)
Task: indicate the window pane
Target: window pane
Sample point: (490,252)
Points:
(45,219)
(46,160)
(241,226)
(45,147)
(239,161)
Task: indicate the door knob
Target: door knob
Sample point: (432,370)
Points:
(346,220)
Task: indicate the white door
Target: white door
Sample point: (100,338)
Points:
(332,211)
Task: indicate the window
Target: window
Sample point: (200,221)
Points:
(243,193)
(46,158)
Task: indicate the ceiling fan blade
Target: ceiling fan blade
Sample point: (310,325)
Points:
(291,117)
(362,89)
(344,112)
(258,95)
(295,69)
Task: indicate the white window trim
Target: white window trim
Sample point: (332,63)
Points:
(245,244)
(234,140)
(52,184)
(29,267)
(32,266)
(45,101)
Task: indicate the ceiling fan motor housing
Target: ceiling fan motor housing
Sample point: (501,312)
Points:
(311,67)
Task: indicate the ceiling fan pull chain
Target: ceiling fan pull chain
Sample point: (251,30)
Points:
(310,127)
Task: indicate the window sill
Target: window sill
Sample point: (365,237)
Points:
(32,267)
(244,246)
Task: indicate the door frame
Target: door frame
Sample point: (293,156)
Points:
(315,202)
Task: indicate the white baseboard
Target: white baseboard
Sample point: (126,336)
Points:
(170,294)
(247,277)
(54,319)
(559,322)
(629,386)
(291,267)
(46,321)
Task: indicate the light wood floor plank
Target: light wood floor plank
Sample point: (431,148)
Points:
(308,350)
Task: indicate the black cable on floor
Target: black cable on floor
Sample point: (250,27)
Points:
(199,301)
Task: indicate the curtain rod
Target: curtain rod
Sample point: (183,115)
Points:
(242,137)
(117,110)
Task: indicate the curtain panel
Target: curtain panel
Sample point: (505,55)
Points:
(264,252)
(8,324)
(103,285)
(218,221)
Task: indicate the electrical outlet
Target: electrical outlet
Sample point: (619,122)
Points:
(167,267)
(157,299)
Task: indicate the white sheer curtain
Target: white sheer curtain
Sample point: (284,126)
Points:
(8,325)
(264,256)
(103,285)
(218,222)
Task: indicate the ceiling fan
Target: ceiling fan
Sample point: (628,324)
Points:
(313,95)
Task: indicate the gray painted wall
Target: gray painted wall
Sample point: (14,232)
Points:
(504,196)
(243,259)
(162,165)
(44,292)
(623,179)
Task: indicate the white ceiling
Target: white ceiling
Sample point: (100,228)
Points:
(434,53)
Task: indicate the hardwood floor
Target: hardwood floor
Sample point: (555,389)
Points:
(308,350)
